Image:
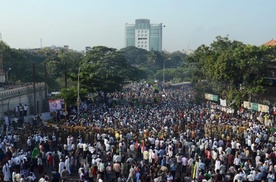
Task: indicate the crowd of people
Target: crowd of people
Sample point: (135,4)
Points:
(145,134)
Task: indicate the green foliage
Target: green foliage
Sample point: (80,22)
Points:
(152,62)
(236,69)
(135,56)
(105,69)
(21,64)
(70,95)
(58,65)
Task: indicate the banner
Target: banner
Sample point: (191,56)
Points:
(254,106)
(211,97)
(208,96)
(246,105)
(263,108)
(55,104)
(222,102)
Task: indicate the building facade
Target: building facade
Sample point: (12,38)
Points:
(144,35)
(32,95)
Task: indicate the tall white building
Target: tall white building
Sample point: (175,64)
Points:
(144,35)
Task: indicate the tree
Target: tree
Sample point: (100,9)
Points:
(236,69)
(152,57)
(59,65)
(21,64)
(105,70)
(135,56)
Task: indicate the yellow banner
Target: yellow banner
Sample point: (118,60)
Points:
(263,108)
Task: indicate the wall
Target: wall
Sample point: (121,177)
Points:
(34,98)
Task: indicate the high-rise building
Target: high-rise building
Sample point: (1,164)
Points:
(144,35)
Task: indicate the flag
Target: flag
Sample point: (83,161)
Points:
(35,152)
(194,170)
(156,89)
(222,102)
(137,144)
(233,102)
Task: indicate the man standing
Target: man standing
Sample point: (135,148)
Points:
(56,177)
(21,110)
(7,173)
(25,107)
(67,164)
(64,174)
(6,123)
(61,166)
(16,111)
(117,169)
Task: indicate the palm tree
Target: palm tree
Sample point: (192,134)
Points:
(152,57)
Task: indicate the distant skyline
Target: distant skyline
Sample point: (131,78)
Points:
(188,23)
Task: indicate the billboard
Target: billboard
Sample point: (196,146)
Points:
(55,104)
(255,106)
(211,97)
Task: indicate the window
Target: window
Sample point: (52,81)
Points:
(141,45)
(138,31)
(138,35)
(138,42)
(138,45)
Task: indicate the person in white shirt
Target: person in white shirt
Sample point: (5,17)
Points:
(67,164)
(257,159)
(251,176)
(217,164)
(270,177)
(150,155)
(29,143)
(25,107)
(61,166)
(237,161)
(7,123)
(84,149)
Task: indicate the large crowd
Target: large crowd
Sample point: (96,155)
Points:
(143,133)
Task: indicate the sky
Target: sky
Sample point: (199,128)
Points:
(81,23)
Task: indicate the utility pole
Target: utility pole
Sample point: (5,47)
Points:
(45,87)
(2,74)
(65,76)
(34,89)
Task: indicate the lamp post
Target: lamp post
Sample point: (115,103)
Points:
(7,75)
(164,69)
(78,99)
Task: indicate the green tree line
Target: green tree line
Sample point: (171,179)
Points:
(231,69)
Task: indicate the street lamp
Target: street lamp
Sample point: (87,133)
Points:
(164,69)
(7,75)
(78,99)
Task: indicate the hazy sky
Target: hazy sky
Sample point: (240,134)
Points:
(80,23)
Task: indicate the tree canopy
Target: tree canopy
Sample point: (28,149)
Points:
(235,70)
(105,69)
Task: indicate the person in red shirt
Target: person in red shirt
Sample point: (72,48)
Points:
(230,160)
(207,159)
(50,160)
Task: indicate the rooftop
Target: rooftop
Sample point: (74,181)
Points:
(272,42)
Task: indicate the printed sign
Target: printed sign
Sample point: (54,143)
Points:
(55,104)
(211,97)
